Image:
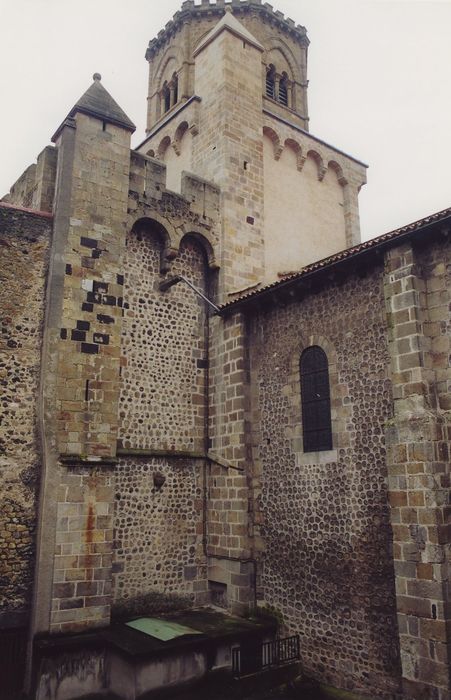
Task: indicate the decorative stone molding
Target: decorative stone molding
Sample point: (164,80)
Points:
(271,134)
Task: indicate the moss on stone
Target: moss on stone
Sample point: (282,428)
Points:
(148,604)
(327,691)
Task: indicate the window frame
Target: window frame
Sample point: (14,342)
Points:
(341,413)
(315,407)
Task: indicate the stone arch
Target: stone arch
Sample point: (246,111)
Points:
(205,241)
(293,393)
(162,230)
(193,240)
(296,147)
(277,58)
(275,43)
(163,147)
(273,136)
(336,167)
(162,73)
(179,134)
(317,157)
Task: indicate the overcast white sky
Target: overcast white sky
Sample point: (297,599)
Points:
(379,71)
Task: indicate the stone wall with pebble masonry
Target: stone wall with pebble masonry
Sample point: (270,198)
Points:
(158,528)
(24,243)
(164,349)
(325,518)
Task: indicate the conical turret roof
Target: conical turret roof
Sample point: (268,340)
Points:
(97,102)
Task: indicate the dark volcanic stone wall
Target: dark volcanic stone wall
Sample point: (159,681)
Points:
(162,399)
(327,563)
(158,530)
(24,243)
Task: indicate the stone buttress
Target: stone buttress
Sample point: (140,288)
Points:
(417,300)
(81,351)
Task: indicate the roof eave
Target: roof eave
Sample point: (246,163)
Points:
(128,126)
(370,248)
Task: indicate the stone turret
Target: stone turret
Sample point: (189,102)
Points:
(81,357)
(227,101)
(283,63)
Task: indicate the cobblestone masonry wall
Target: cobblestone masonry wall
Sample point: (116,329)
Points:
(24,243)
(164,354)
(158,529)
(325,519)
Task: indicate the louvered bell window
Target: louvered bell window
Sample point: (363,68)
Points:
(315,394)
(283,93)
(270,84)
(167,99)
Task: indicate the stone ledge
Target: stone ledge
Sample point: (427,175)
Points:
(81,460)
(180,454)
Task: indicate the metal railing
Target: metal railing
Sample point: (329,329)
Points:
(255,658)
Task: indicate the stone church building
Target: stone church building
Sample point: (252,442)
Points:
(284,443)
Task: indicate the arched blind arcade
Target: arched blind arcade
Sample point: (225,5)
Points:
(315,394)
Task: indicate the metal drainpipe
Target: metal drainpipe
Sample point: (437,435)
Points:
(206,440)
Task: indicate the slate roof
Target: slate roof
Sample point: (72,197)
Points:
(97,102)
(383,241)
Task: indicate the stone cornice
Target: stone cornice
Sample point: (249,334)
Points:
(190,11)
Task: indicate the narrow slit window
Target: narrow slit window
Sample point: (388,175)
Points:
(315,395)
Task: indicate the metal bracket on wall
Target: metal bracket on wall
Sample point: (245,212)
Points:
(167,284)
